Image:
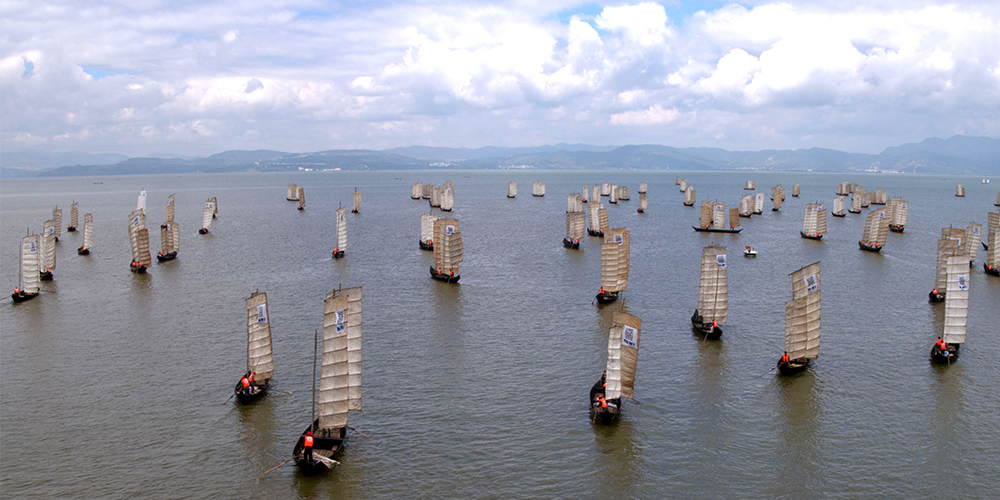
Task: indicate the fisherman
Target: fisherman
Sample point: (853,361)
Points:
(253,378)
(307,446)
(784,358)
(941,345)
(602,290)
(246,384)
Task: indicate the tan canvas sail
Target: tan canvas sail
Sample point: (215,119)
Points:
(602,218)
(734,218)
(511,189)
(74,214)
(206,215)
(749,185)
(956,300)
(142,247)
(418,190)
(141,202)
(357,201)
(746,206)
(973,236)
(993,241)
(713,288)
(643,201)
(259,357)
(613,197)
(592,209)
(758,203)
(175,231)
(856,202)
(796,190)
(334,382)
(719,215)
(137,220)
(353,325)
(596,194)
(842,188)
(170,208)
(689,196)
(427,227)
(946,247)
(447,199)
(88,231)
(623,352)
(293,192)
(436,196)
(48,240)
(838,205)
(677,181)
(166,238)
(574,203)
(802,314)
(814,222)
(705,214)
(642,187)
(448,248)
(624,194)
(876,228)
(425,191)
(300,193)
(584,194)
(615,260)
(960,190)
(605,189)
(341,229)
(58,219)
(538,189)
(575,225)
(30,261)
(684,185)
(777,196)
(215,205)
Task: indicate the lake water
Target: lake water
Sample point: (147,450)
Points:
(114,384)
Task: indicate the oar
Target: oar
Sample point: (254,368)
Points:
(279,390)
(359,432)
(230,397)
(769,371)
(275,467)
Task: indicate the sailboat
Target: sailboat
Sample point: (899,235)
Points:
(712,218)
(447,199)
(538,189)
(814,223)
(338,251)
(170,211)
(215,206)
(960,191)
(643,203)
(876,230)
(340,382)
(88,235)
(689,196)
(713,293)
(300,194)
(802,326)
(618,379)
(427,231)
(838,207)
(585,193)
(140,203)
(746,206)
(642,187)
(856,203)
(956,311)
(357,202)
(842,189)
(992,263)
(605,189)
(418,190)
(48,240)
(992,223)
(260,363)
(595,197)
(997,203)
(425,191)
(575,221)
(973,236)
(677,181)
(749,186)
(206,217)
(595,211)
(777,197)
(28,278)
(758,204)
(684,185)
(293,193)
(57,219)
(512,189)
(880,197)
(170,241)
(947,246)
(139,238)
(74,213)
(624,194)
(614,265)
(613,197)
(435,200)
(448,251)
(796,190)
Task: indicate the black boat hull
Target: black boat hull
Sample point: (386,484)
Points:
(896,229)
(935,297)
(21,296)
(83,251)
(538,195)
(203,231)
(256,392)
(689,204)
(358,212)
(946,357)
(338,255)
(164,257)
(816,237)
(607,297)
(869,247)
(854,211)
(446,277)
(301,208)
(841,214)
(71,229)
(511,197)
(993,271)
(792,367)
(426,246)
(603,415)
(292,199)
(326,445)
(595,232)
(45,275)
(137,268)
(641,211)
(705,329)
(570,244)
(714,230)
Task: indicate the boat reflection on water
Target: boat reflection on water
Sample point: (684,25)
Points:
(798,454)
(617,473)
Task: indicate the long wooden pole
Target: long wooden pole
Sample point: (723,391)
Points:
(273,468)
(312,414)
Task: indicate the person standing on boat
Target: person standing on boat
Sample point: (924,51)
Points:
(307,446)
(942,346)
(784,357)
(246,384)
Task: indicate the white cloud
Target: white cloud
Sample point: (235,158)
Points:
(652,116)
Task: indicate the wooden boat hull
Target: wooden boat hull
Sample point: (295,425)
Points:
(137,268)
(792,367)
(443,210)
(511,197)
(688,204)
(714,230)
(164,257)
(816,237)
(71,229)
(945,357)
(595,232)
(539,195)
(83,251)
(705,329)
(839,214)
(935,297)
(570,243)
(20,296)
(641,211)
(292,199)
(203,231)
(446,277)
(993,271)
(326,442)
(338,254)
(854,211)
(603,415)
(896,229)
(256,392)
(870,247)
(607,297)
(426,246)
(45,275)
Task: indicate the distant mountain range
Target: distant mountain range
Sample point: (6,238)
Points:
(959,155)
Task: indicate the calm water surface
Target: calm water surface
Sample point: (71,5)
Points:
(113,385)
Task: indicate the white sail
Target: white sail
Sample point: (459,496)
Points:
(623,352)
(689,195)
(605,189)
(684,185)
(30,261)
(602,218)
(796,190)
(141,203)
(300,194)
(946,247)
(856,202)
(259,357)
(334,382)
(713,287)
(595,196)
(613,197)
(642,187)
(802,314)
(170,208)
(140,246)
(956,300)
(538,189)
(746,205)
(418,189)
(511,189)
(643,201)
(447,199)
(215,205)
(705,214)
(74,214)
(814,222)
(584,194)
(48,240)
(166,238)
(448,248)
(427,227)
(137,220)
(293,193)
(575,225)
(425,191)
(206,215)
(719,215)
(435,196)
(960,190)
(88,231)
(749,185)
(353,325)
(357,201)
(341,229)
(993,241)
(615,260)
(758,203)
(58,219)
(777,197)
(838,205)
(973,236)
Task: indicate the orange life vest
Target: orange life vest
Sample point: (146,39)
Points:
(784,357)
(246,382)
(604,403)
(309,442)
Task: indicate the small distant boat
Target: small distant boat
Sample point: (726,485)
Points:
(595,196)
(624,194)
(338,251)
(712,219)
(795,190)
(28,278)
(843,189)
(448,251)
(689,196)
(88,235)
(879,197)
(949,245)
(855,207)
(642,187)
(758,204)
(749,251)
(746,206)
(206,217)
(992,264)
(713,293)
(960,191)
(985,180)
(613,197)
(605,189)
(74,212)
(292,194)
(357,202)
(618,379)
(838,207)
(215,206)
(447,199)
(684,185)
(427,231)
(677,181)
(643,203)
(598,219)
(48,240)
(585,193)
(139,238)
(512,189)
(973,236)
(418,190)
(814,222)
(57,219)
(614,265)
(538,189)
(956,307)
(802,321)
(260,363)
(300,194)
(576,221)
(749,186)
(876,230)
(425,191)
(777,197)
(435,200)
(170,241)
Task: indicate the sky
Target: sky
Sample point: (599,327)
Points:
(198,77)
